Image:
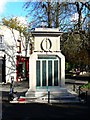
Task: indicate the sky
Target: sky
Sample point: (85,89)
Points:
(12,8)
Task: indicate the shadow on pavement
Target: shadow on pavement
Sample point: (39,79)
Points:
(5,95)
(44,111)
(30,111)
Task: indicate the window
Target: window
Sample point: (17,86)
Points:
(56,73)
(38,73)
(44,73)
(1,39)
(1,42)
(30,48)
(50,73)
(18,46)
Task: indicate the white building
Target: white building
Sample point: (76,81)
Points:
(12,54)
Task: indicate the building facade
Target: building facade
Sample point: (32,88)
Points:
(13,62)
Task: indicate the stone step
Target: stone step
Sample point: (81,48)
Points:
(56,94)
(52,90)
(55,100)
(42,94)
(63,99)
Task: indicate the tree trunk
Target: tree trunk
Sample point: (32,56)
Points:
(79,10)
(48,15)
(57,15)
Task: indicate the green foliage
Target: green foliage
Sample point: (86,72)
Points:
(74,46)
(13,23)
(86,86)
(69,66)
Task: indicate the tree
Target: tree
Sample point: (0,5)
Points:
(82,14)
(58,14)
(15,24)
(75,47)
(75,43)
(75,40)
(44,13)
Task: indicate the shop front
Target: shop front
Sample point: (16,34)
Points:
(22,68)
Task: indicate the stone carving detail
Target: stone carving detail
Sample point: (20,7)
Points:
(46,44)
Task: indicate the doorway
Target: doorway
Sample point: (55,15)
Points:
(3,69)
(22,68)
(48,71)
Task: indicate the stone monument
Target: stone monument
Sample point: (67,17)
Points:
(46,66)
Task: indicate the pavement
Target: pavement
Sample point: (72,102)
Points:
(41,111)
(19,87)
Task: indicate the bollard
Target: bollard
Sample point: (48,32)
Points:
(11,85)
(79,93)
(10,97)
(48,96)
(79,90)
(86,96)
(74,87)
